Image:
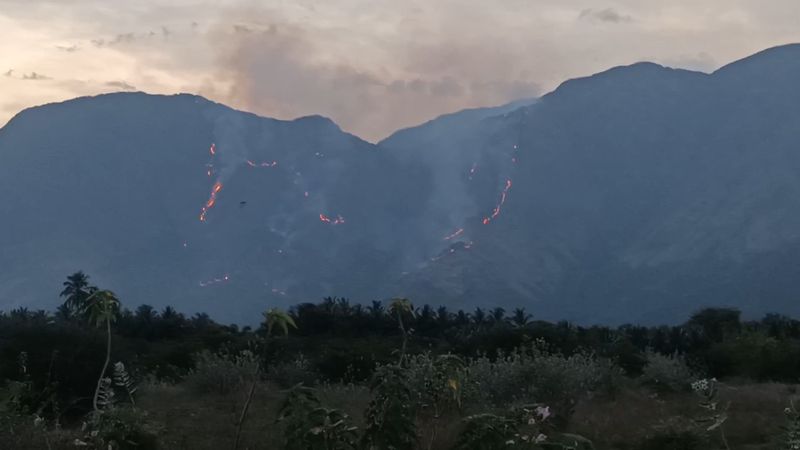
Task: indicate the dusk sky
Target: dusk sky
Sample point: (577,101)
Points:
(373,66)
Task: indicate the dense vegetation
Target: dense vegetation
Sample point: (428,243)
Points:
(390,375)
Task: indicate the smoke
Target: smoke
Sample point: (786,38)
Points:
(285,71)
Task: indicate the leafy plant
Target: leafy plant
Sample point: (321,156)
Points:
(667,372)
(708,391)
(123,380)
(390,415)
(311,426)
(221,372)
(791,435)
(125,428)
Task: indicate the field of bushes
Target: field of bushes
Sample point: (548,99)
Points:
(390,375)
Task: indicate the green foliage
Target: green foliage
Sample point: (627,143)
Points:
(390,416)
(537,374)
(436,382)
(221,372)
(289,373)
(667,372)
(310,426)
(487,431)
(125,428)
(278,319)
(791,436)
(522,427)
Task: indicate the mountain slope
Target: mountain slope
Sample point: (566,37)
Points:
(637,194)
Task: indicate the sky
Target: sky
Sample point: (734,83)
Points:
(373,66)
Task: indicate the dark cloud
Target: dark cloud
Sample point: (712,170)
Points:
(9,73)
(68,49)
(121,85)
(35,76)
(609,15)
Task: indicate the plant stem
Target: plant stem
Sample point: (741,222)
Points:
(105,365)
(244,411)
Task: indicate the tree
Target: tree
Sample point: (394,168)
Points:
(277,318)
(717,324)
(376,309)
(520,318)
(101,308)
(76,292)
(497,315)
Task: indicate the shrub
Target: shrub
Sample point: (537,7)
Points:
(390,414)
(667,372)
(311,426)
(124,428)
(536,374)
(221,372)
(287,374)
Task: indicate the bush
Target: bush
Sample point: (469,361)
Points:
(288,374)
(221,372)
(123,428)
(537,375)
(311,426)
(667,372)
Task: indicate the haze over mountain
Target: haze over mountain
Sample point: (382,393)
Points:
(638,194)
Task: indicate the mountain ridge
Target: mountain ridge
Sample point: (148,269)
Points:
(630,195)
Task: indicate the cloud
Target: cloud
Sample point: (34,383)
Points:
(700,61)
(609,15)
(121,85)
(9,73)
(35,76)
(68,48)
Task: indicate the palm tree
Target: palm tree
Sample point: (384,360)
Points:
(497,315)
(479,316)
(277,318)
(399,307)
(520,318)
(101,308)
(376,309)
(76,291)
(442,314)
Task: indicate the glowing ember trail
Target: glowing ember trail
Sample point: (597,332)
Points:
(263,164)
(472,170)
(224,279)
(455,234)
(212,200)
(496,210)
(336,221)
(213,149)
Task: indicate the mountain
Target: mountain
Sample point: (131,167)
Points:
(637,194)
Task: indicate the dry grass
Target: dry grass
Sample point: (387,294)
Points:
(755,415)
(207,422)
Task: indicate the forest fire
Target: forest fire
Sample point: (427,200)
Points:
(496,210)
(225,278)
(262,164)
(455,234)
(212,200)
(335,221)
